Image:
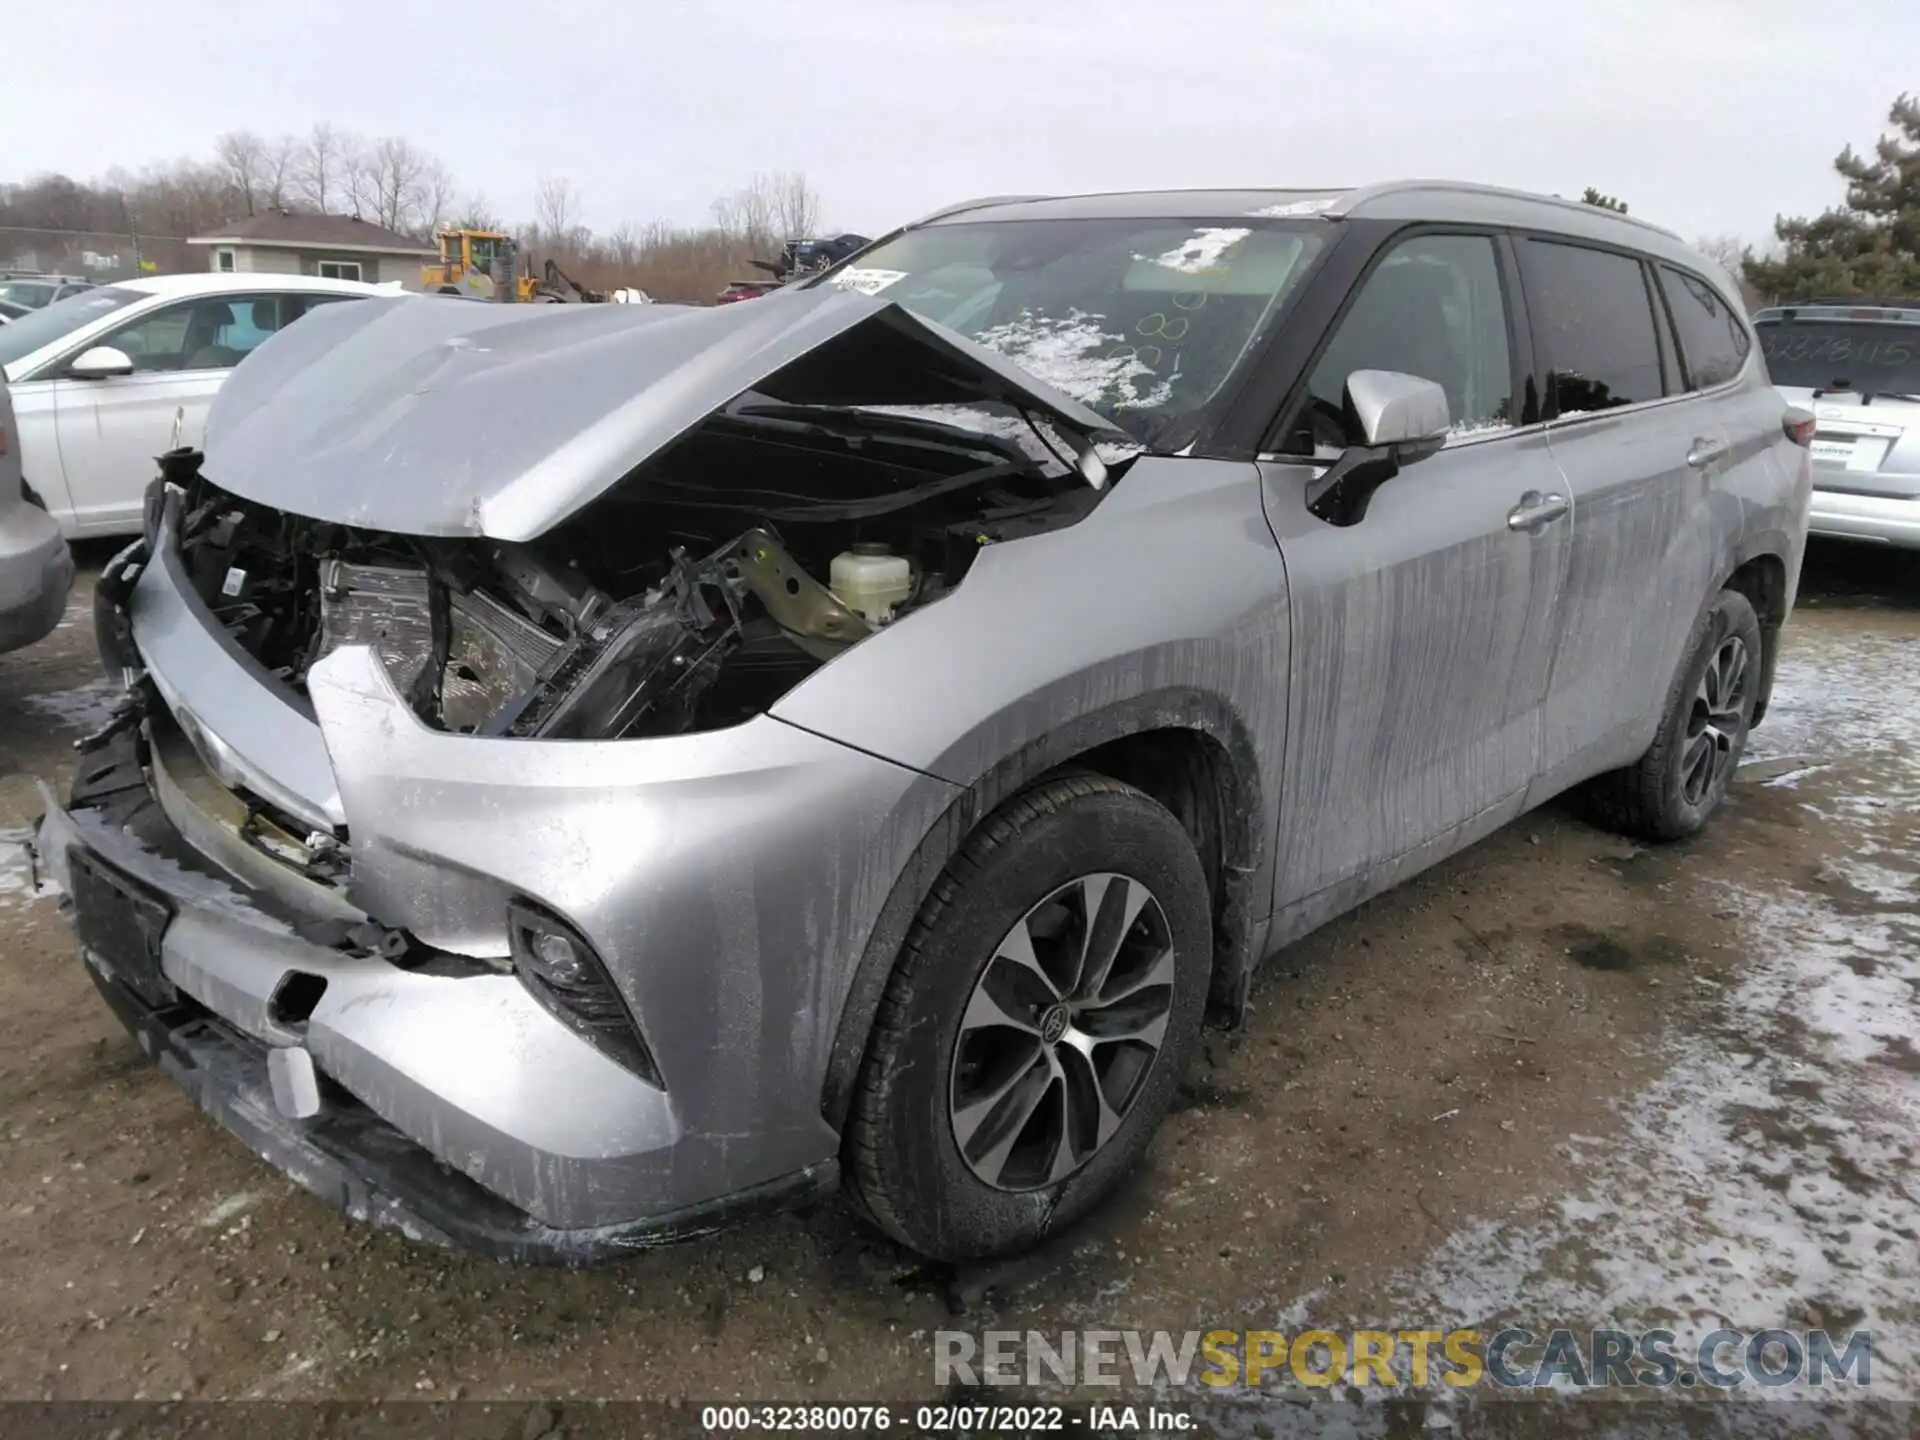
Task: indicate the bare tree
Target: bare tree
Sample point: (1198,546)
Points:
(796,205)
(244,154)
(1731,253)
(476,212)
(277,173)
(395,176)
(1725,250)
(360,175)
(321,179)
(433,198)
(623,245)
(750,213)
(556,210)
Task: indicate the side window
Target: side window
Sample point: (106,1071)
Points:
(339,269)
(292,307)
(1713,339)
(1592,325)
(206,334)
(1431,308)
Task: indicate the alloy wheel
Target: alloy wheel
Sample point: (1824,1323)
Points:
(1716,720)
(1061,1030)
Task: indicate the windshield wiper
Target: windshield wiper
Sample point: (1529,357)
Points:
(1867,397)
(909,430)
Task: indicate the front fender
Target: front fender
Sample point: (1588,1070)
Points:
(1165,608)
(1172,587)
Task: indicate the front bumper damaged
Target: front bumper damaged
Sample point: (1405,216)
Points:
(191,960)
(727,880)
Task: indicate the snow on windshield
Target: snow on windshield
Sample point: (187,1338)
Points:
(1074,355)
(1286,208)
(1203,251)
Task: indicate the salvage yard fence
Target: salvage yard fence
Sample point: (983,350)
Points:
(97,255)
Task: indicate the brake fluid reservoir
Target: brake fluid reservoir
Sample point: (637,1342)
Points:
(871,581)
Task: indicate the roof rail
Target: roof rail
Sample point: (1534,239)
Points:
(1886,302)
(1354,199)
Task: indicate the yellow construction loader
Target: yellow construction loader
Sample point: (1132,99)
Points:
(488,265)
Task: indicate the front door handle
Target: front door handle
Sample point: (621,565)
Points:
(1536,511)
(1703,453)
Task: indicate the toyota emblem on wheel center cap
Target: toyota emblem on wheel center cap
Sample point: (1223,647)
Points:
(1053,1024)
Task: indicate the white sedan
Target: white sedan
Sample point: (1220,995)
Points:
(105,380)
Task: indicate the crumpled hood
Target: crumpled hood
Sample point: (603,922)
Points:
(437,416)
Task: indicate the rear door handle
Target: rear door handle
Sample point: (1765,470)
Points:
(1703,453)
(1535,511)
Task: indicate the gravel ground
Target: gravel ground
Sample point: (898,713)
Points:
(1561,1079)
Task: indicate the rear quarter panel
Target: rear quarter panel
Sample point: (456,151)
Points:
(1769,478)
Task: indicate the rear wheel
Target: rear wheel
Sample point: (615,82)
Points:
(1033,1032)
(1677,785)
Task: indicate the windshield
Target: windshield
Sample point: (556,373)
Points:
(30,293)
(1142,320)
(1866,356)
(43,327)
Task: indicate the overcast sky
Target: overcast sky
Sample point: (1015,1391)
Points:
(1706,116)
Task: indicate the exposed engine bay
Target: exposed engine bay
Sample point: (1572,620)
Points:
(690,597)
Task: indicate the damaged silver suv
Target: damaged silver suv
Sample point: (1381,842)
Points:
(586,771)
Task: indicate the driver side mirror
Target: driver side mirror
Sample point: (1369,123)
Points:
(99,363)
(1403,418)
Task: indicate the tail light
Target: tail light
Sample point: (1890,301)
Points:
(566,975)
(1799,426)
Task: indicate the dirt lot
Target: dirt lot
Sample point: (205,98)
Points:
(1561,1079)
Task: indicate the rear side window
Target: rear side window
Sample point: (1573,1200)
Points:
(1713,341)
(1592,327)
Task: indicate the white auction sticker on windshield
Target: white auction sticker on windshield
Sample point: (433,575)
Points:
(868,282)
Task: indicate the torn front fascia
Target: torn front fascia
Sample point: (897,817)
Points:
(113,627)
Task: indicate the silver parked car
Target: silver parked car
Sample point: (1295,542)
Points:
(1856,365)
(36,570)
(585,774)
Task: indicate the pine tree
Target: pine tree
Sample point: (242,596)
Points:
(1869,246)
(1605,202)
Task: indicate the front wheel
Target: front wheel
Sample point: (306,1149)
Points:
(1677,785)
(1031,1036)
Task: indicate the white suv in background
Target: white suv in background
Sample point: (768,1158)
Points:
(1856,365)
(105,380)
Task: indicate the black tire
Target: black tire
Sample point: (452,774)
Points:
(905,1163)
(1653,799)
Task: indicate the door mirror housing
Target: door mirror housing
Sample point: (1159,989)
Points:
(1403,418)
(99,363)
(1397,409)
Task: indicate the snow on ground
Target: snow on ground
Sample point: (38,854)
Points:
(84,708)
(1767,1179)
(18,876)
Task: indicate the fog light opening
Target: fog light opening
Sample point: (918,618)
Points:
(293,999)
(562,971)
